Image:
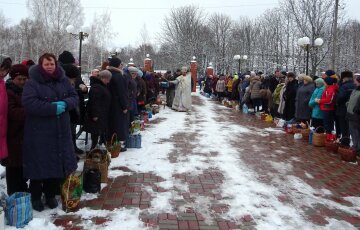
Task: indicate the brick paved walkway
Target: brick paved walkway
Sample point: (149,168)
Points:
(274,157)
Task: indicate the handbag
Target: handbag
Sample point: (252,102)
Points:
(71,190)
(114,147)
(18,209)
(98,159)
(92,180)
(133,141)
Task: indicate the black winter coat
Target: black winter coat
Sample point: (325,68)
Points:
(97,106)
(141,90)
(289,97)
(48,148)
(343,96)
(120,101)
(16,121)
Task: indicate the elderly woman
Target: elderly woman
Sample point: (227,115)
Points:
(182,100)
(317,115)
(48,154)
(98,107)
(303,95)
(15,134)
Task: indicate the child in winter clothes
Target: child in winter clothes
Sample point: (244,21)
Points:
(317,115)
(327,104)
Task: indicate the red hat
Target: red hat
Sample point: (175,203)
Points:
(18,69)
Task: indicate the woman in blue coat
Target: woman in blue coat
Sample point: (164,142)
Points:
(48,154)
(316,114)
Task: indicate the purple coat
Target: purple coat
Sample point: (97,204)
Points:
(48,148)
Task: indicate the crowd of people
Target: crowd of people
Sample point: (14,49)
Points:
(43,104)
(331,101)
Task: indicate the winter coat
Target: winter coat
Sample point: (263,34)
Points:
(207,86)
(119,91)
(213,83)
(48,148)
(98,106)
(303,95)
(353,106)
(3,119)
(282,100)
(255,86)
(81,107)
(220,86)
(141,90)
(289,97)
(343,96)
(328,99)
(229,85)
(16,120)
(150,87)
(235,91)
(276,93)
(132,93)
(316,111)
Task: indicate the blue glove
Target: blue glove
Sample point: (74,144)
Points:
(63,103)
(59,109)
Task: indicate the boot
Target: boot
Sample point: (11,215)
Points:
(37,205)
(51,202)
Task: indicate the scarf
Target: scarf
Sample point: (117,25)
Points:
(52,77)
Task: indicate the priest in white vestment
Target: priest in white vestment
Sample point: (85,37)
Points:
(182,100)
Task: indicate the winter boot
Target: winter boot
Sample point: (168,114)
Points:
(37,205)
(51,202)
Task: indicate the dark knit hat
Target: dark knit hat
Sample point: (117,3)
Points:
(5,62)
(329,72)
(346,74)
(17,70)
(71,71)
(114,62)
(329,80)
(66,58)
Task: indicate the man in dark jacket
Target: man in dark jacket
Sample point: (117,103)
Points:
(120,103)
(170,92)
(342,97)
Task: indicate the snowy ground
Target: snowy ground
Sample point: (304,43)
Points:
(211,137)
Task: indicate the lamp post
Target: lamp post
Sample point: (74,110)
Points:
(239,58)
(305,43)
(84,33)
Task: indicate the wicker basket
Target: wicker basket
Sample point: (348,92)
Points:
(331,146)
(318,138)
(98,159)
(114,147)
(347,154)
(305,133)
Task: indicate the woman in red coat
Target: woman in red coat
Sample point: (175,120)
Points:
(327,104)
(15,136)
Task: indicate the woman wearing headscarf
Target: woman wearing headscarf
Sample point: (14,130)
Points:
(303,95)
(15,181)
(316,114)
(48,154)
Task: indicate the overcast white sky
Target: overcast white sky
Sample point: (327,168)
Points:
(128,17)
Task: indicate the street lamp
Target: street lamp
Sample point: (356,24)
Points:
(305,43)
(84,33)
(239,58)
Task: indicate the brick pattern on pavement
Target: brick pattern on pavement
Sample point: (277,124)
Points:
(327,172)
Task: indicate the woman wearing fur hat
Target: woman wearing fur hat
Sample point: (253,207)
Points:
(327,105)
(16,118)
(316,114)
(353,115)
(345,89)
(5,65)
(303,95)
(48,153)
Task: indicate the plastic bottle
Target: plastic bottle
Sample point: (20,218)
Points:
(311,135)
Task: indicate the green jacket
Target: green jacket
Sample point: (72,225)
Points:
(276,93)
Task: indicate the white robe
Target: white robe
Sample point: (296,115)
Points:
(182,99)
